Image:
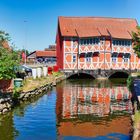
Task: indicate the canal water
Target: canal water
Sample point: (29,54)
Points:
(83,109)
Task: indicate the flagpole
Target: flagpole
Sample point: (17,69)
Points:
(25,56)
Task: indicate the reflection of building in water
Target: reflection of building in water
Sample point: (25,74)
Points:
(120,125)
(89,111)
(92,100)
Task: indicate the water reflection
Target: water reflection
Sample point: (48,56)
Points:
(93,109)
(76,109)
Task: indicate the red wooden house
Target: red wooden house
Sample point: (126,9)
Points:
(90,43)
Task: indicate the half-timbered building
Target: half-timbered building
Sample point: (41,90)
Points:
(96,43)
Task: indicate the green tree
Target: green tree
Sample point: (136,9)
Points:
(4,37)
(9,59)
(136,40)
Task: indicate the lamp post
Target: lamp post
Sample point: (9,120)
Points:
(25,43)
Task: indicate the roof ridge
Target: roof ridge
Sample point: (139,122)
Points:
(97,17)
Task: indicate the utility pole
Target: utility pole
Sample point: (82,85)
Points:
(25,43)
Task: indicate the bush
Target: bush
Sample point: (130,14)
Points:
(129,83)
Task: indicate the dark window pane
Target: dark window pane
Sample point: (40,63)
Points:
(91,41)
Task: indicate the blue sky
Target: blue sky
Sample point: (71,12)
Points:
(41,15)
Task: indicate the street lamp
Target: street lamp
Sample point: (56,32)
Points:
(25,43)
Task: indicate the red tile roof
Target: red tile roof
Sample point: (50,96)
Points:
(46,53)
(97,26)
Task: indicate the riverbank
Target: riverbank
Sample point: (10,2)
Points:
(31,88)
(133,84)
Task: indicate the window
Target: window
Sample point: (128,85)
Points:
(85,42)
(96,40)
(81,41)
(123,42)
(117,42)
(120,43)
(114,43)
(126,57)
(102,40)
(126,43)
(114,57)
(88,57)
(75,44)
(74,58)
(89,41)
(129,43)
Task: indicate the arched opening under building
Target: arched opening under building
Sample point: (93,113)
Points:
(119,74)
(81,76)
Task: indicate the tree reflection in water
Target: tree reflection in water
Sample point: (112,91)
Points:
(7,129)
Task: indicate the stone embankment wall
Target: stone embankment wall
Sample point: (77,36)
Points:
(7,102)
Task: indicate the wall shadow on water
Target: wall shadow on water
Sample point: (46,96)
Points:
(118,78)
(119,75)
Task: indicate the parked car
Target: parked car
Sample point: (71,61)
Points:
(27,70)
(22,71)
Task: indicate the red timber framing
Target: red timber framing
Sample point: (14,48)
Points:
(92,43)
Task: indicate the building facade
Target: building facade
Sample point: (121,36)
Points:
(48,56)
(95,43)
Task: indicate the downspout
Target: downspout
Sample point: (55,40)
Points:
(78,56)
(77,52)
(111,41)
(104,52)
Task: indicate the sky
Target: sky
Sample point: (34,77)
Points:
(32,24)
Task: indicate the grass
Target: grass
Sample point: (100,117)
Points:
(137,118)
(138,74)
(31,84)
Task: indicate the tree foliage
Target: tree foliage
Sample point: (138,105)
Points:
(136,39)
(8,59)
(4,36)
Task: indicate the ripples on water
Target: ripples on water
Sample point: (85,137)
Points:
(74,110)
